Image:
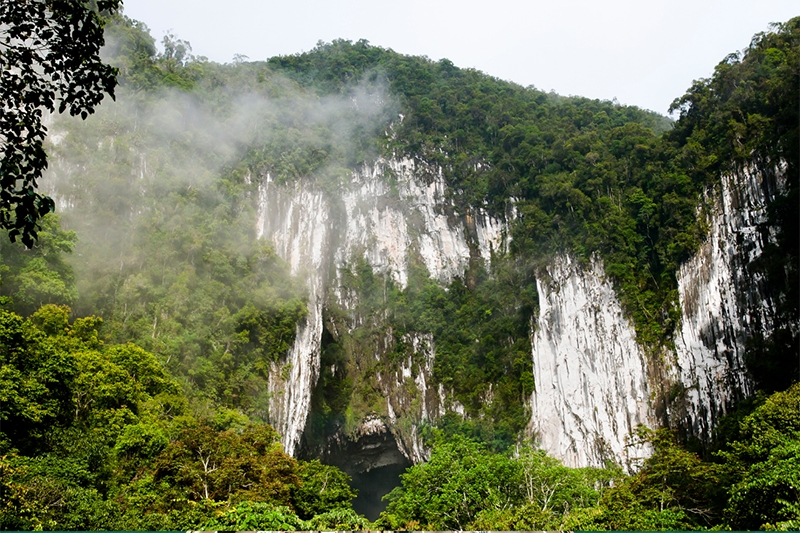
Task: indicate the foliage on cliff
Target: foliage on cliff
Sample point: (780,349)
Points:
(745,117)
(589,176)
(480,337)
(167,251)
(583,176)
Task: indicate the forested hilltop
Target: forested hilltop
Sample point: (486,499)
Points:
(141,336)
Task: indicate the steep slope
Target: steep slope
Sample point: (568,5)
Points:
(591,376)
(723,301)
(358,246)
(388,225)
(594,382)
(597,373)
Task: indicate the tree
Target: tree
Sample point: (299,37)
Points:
(36,379)
(39,275)
(204,464)
(674,489)
(49,58)
(461,479)
(764,464)
(550,486)
(322,488)
(251,516)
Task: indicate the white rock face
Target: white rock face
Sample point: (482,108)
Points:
(590,374)
(389,217)
(374,230)
(410,395)
(721,303)
(297,221)
(392,209)
(594,384)
(443,246)
(491,234)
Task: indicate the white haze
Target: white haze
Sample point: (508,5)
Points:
(186,137)
(142,158)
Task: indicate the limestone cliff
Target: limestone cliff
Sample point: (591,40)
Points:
(593,382)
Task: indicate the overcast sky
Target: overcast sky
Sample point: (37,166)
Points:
(642,52)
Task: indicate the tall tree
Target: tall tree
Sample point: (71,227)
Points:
(49,59)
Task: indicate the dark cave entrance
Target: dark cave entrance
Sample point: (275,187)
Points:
(373,461)
(373,485)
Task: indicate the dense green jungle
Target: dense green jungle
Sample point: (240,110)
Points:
(137,334)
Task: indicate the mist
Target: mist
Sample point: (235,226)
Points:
(111,172)
(161,187)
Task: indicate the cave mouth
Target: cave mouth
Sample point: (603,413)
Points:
(372,459)
(373,485)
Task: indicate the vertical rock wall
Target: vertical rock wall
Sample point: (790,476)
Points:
(593,382)
(722,303)
(390,211)
(297,220)
(590,374)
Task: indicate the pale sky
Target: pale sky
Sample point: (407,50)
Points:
(642,52)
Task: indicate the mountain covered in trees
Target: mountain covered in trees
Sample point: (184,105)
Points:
(564,313)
